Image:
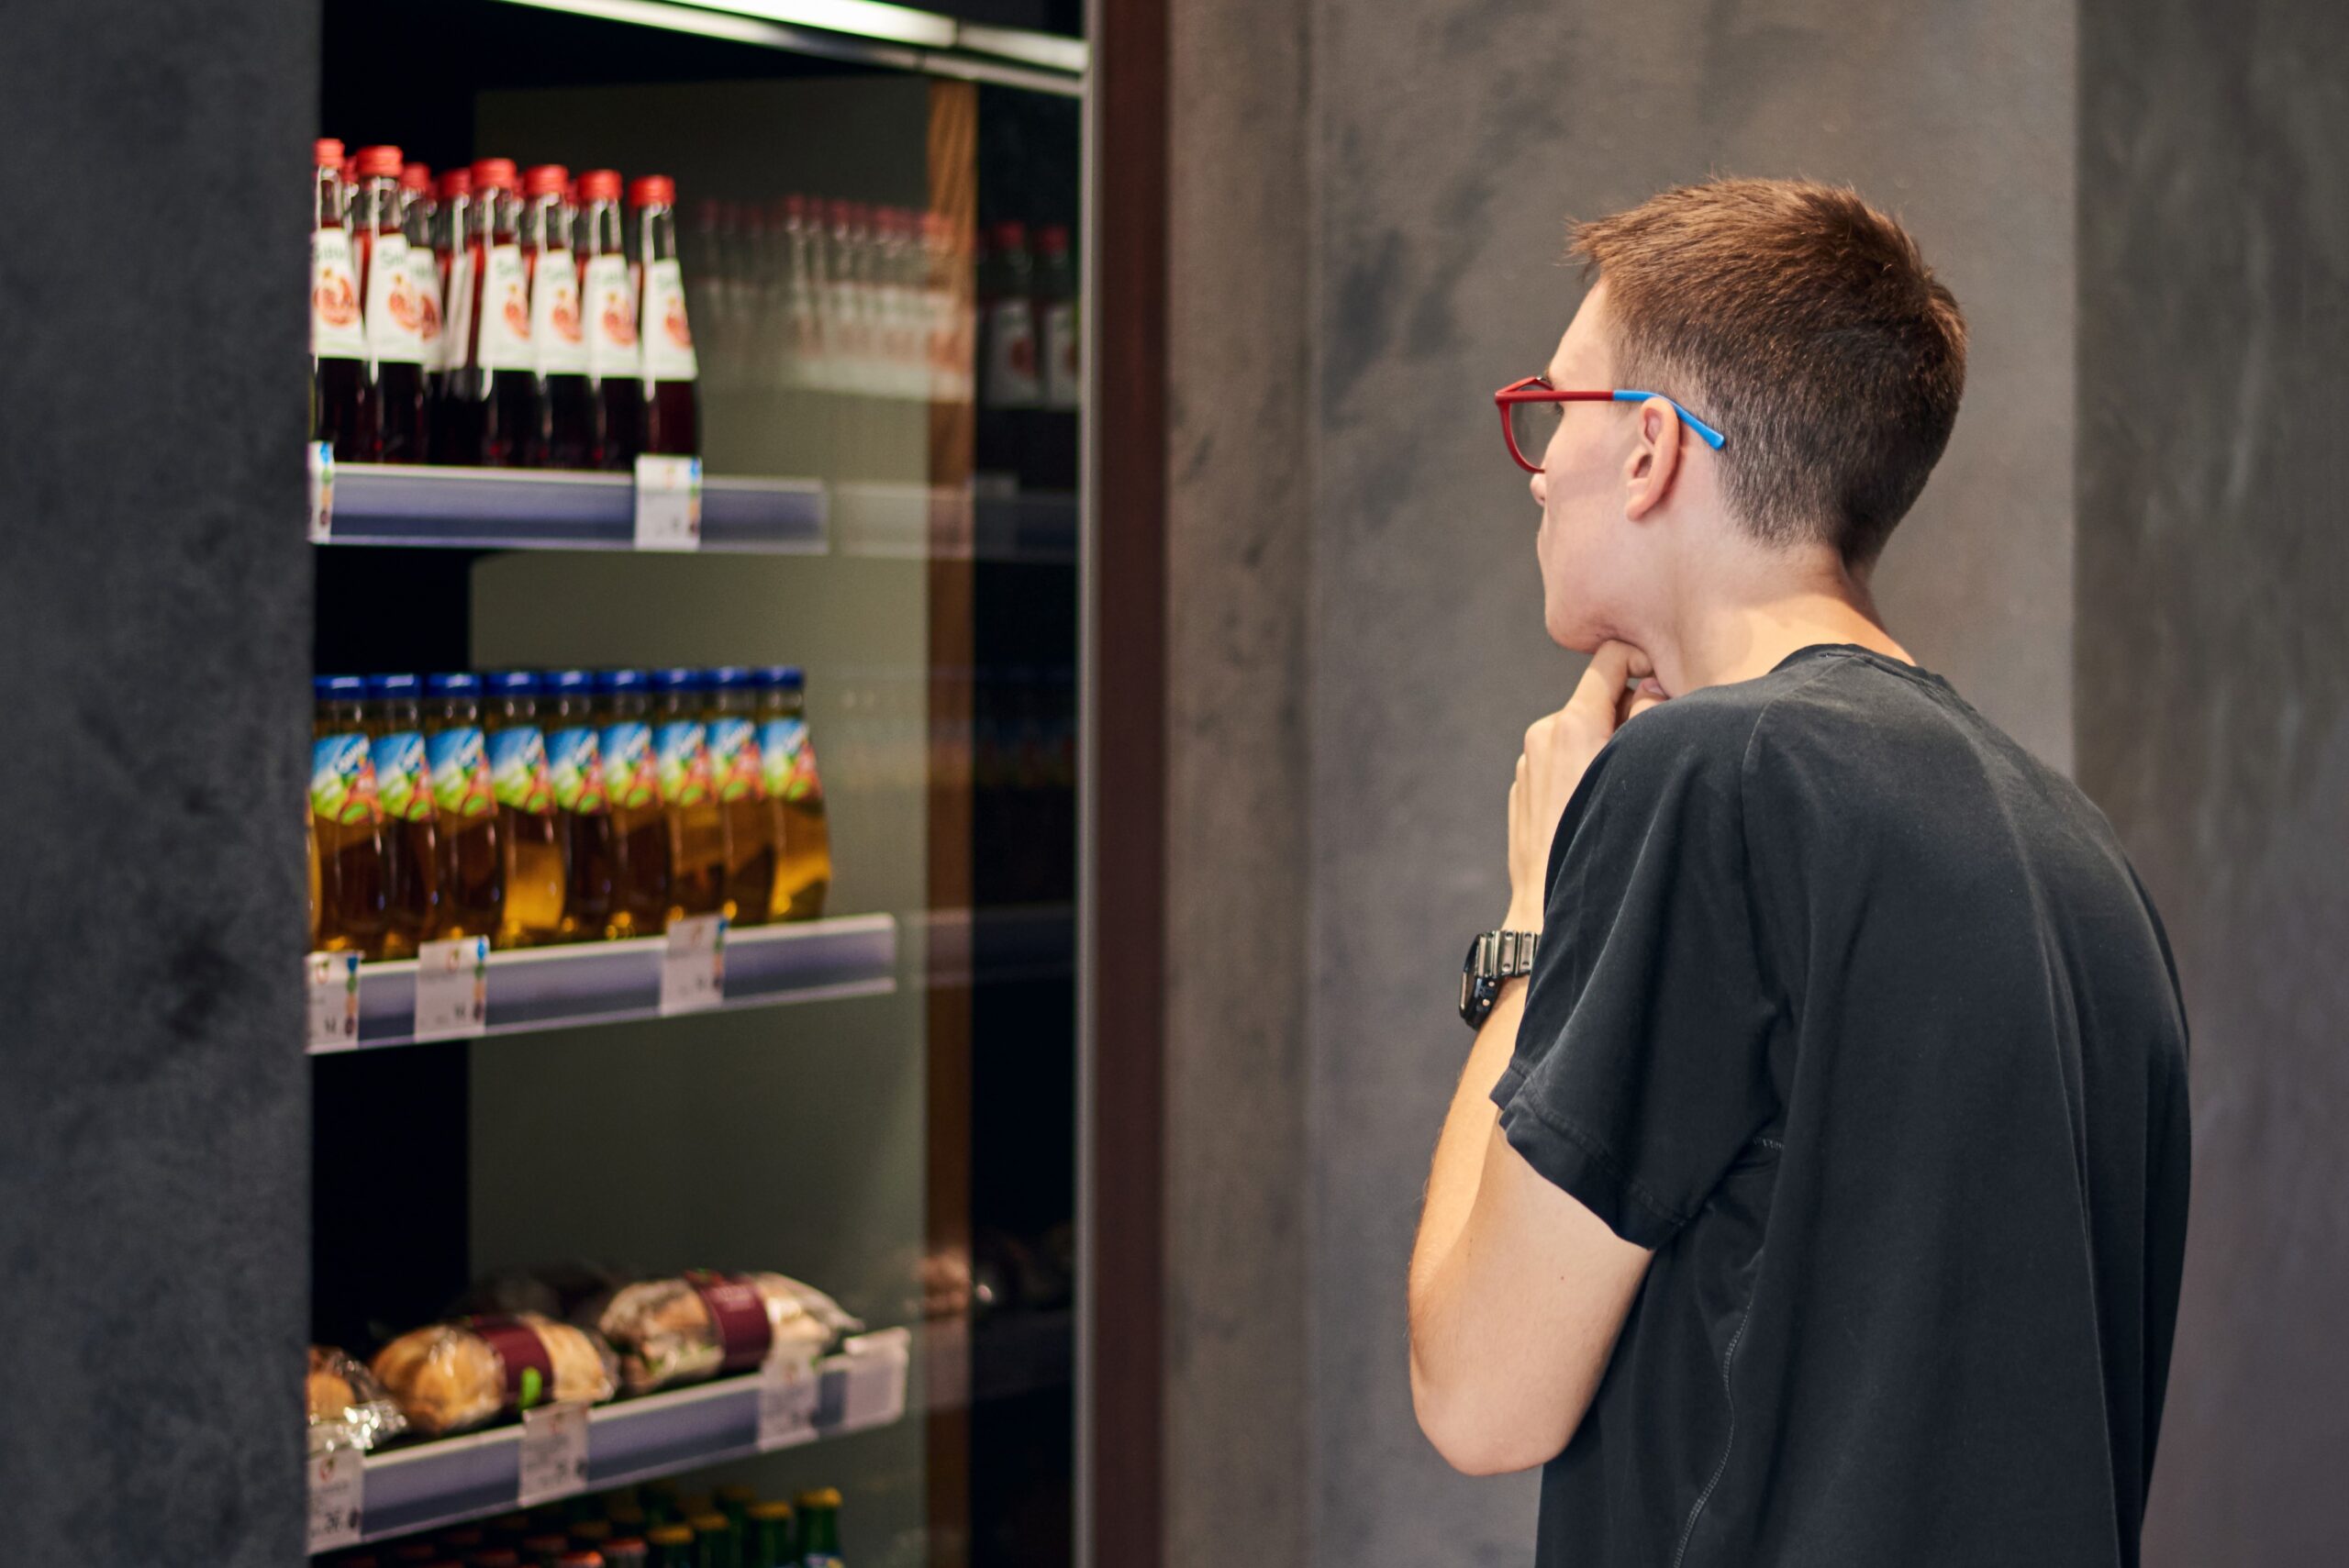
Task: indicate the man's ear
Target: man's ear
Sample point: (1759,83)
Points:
(1655,462)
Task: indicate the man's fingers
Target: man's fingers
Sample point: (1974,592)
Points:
(1600,689)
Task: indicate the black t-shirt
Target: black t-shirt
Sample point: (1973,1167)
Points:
(1857,1014)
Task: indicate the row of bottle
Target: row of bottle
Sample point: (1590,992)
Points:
(496,319)
(647,1526)
(566,806)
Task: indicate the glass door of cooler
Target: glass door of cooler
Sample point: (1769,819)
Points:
(696,1155)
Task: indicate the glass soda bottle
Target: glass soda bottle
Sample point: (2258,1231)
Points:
(451,212)
(820,1529)
(607,302)
(493,384)
(716,1544)
(340,411)
(672,414)
(394,314)
(566,402)
(346,820)
(575,762)
(671,1547)
(632,789)
(803,863)
(473,856)
(418,209)
(738,778)
(696,828)
(772,1541)
(523,785)
(411,829)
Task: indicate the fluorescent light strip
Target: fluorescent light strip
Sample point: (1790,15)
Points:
(733,30)
(1050,50)
(866,18)
(838,28)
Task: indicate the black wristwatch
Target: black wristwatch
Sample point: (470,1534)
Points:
(1493,957)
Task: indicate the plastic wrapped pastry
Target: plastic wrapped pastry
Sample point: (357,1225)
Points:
(348,1408)
(669,1331)
(454,1376)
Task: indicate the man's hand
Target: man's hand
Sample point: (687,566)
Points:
(1558,749)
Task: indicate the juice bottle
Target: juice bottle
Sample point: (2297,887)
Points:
(671,422)
(696,828)
(346,820)
(566,402)
(820,1529)
(394,314)
(339,404)
(535,884)
(451,212)
(575,762)
(607,304)
(632,787)
(411,830)
(473,856)
(493,384)
(419,210)
(802,864)
(739,782)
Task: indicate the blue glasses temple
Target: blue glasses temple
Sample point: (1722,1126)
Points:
(1710,437)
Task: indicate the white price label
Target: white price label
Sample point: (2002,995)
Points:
(334,1001)
(321,492)
(554,1453)
(692,966)
(452,988)
(877,1363)
(668,502)
(789,1385)
(338,1489)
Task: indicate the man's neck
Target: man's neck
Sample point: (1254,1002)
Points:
(1721,635)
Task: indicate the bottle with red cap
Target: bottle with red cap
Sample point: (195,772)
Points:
(420,210)
(341,411)
(607,306)
(394,316)
(451,211)
(492,387)
(1011,380)
(671,402)
(566,402)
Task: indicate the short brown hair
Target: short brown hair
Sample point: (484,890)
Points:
(1804,324)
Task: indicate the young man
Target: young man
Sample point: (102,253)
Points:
(1820,1201)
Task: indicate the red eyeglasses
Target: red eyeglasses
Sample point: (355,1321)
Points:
(1531,408)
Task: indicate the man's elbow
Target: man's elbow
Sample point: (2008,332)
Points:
(1490,1434)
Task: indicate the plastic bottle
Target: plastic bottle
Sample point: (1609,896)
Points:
(1010,381)
(340,407)
(1056,319)
(802,864)
(607,302)
(411,825)
(671,405)
(419,210)
(452,212)
(632,789)
(472,854)
(696,828)
(492,387)
(346,820)
(394,314)
(739,779)
(567,404)
(575,762)
(535,884)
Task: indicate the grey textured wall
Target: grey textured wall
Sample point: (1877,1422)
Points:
(2214,682)
(154,631)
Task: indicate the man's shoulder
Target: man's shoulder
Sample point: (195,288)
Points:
(1710,730)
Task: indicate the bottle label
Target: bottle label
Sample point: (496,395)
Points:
(1011,355)
(519,774)
(342,781)
(789,761)
(575,762)
(735,769)
(403,777)
(682,748)
(336,332)
(610,310)
(460,762)
(630,778)
(504,334)
(554,315)
(395,313)
(424,277)
(1061,386)
(668,340)
(457,349)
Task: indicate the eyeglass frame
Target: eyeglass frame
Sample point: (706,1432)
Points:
(1537,389)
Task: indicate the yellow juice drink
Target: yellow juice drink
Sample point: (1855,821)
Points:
(472,854)
(803,865)
(740,783)
(519,776)
(346,821)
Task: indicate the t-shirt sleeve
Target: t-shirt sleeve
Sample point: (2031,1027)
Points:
(1642,1067)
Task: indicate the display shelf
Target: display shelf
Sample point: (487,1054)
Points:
(1017,941)
(498,508)
(916,521)
(446,1481)
(546,988)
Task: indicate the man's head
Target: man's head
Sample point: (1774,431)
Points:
(1793,318)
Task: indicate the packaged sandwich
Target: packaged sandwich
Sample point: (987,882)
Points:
(702,1324)
(348,1408)
(454,1376)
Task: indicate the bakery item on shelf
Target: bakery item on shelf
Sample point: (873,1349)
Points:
(702,1323)
(454,1376)
(348,1408)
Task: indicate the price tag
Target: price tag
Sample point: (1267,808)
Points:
(554,1452)
(334,1001)
(338,1488)
(876,1395)
(668,502)
(692,966)
(452,988)
(789,1385)
(321,492)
